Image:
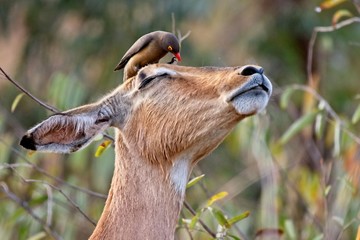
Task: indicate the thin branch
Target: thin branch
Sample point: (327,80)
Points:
(52,109)
(26,207)
(56,188)
(192,211)
(182,38)
(45,105)
(328,108)
(14,165)
(50,204)
(357,5)
(173,23)
(317,30)
(57,179)
(304,205)
(186,227)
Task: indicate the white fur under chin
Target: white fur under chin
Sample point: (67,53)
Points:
(250,104)
(179,175)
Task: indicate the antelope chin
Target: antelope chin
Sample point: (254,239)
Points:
(253,96)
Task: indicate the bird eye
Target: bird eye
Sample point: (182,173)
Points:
(170,48)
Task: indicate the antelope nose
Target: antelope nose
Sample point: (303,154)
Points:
(250,70)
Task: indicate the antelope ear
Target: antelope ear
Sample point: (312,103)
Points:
(65,132)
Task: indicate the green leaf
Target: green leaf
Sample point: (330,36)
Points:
(319,121)
(98,137)
(238,218)
(319,237)
(290,229)
(102,147)
(356,117)
(194,220)
(337,139)
(285,97)
(193,181)
(38,200)
(297,126)
(220,217)
(38,236)
(16,101)
(340,14)
(16,215)
(327,4)
(234,237)
(215,198)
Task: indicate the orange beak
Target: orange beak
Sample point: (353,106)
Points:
(178,57)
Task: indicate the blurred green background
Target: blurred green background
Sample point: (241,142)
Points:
(295,168)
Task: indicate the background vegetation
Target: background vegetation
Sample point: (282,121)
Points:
(294,169)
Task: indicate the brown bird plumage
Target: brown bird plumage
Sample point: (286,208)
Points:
(148,49)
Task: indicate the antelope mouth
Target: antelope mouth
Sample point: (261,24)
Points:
(253,96)
(241,91)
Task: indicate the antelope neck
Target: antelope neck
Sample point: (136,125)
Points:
(144,200)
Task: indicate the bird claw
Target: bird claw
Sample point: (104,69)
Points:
(173,61)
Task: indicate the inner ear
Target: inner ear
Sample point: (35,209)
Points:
(64,133)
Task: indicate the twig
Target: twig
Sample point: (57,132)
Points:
(192,211)
(328,108)
(14,165)
(52,109)
(186,227)
(50,204)
(59,180)
(303,203)
(356,4)
(56,188)
(173,23)
(317,30)
(182,38)
(45,105)
(26,207)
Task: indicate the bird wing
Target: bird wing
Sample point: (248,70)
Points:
(140,44)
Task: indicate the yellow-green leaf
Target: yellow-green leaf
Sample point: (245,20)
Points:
(16,101)
(297,126)
(238,218)
(220,217)
(216,197)
(193,181)
(356,116)
(38,236)
(285,97)
(327,190)
(340,14)
(102,147)
(327,4)
(290,229)
(194,220)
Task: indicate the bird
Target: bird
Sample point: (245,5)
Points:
(148,49)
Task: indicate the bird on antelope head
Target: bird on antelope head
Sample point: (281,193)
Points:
(148,49)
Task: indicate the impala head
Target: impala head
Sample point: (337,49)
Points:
(164,113)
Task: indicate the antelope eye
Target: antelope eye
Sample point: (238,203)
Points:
(170,48)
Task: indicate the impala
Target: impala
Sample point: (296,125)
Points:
(167,118)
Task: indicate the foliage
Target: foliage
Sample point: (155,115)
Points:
(292,172)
